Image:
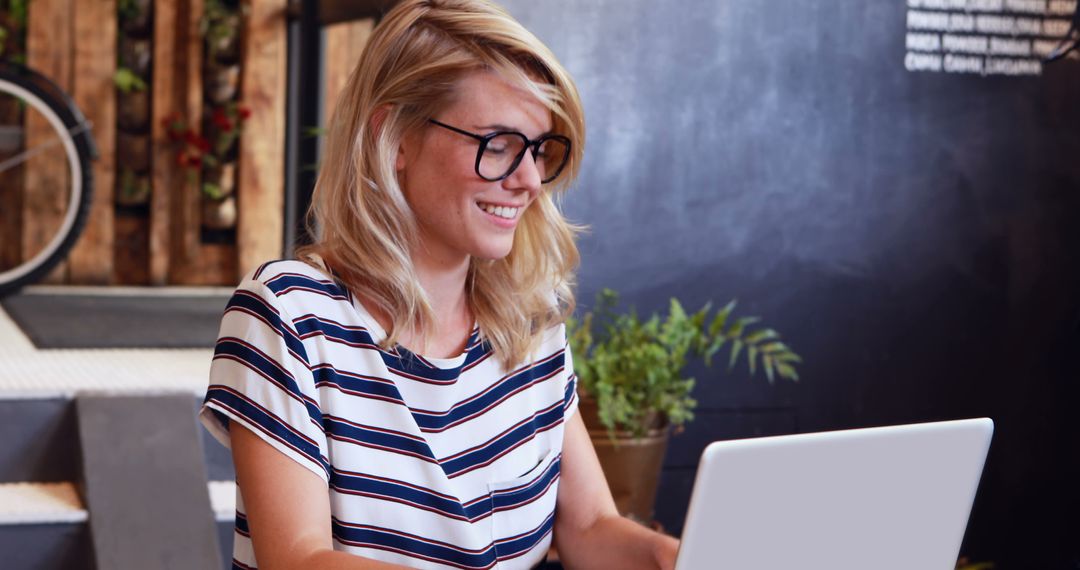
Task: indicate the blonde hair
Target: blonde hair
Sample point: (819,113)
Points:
(364,227)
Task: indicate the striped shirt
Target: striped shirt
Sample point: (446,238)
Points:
(429,462)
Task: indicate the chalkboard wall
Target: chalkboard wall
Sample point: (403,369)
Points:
(913,235)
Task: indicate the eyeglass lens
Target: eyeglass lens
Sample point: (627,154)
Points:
(502,150)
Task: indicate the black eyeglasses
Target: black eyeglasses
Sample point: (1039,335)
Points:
(501,152)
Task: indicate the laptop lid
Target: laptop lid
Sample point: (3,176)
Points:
(886,498)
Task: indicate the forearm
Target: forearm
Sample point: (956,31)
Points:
(616,542)
(337,560)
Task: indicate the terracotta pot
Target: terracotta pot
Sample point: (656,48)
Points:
(219,214)
(133,151)
(133,111)
(135,54)
(223,176)
(222,82)
(631,464)
(138,22)
(132,189)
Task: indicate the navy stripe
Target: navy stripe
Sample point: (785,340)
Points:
(284,283)
(240,351)
(477,509)
(269,423)
(404,364)
(526,493)
(395,442)
(486,453)
(357,384)
(242,524)
(515,546)
(256,306)
(571,391)
(431,421)
(412,545)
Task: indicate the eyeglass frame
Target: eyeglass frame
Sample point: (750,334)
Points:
(530,144)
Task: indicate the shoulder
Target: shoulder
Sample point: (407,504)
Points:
(283,277)
(294,285)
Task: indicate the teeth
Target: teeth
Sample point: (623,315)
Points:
(500,211)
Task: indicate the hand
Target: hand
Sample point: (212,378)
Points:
(665,549)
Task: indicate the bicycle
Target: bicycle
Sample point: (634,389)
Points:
(46,150)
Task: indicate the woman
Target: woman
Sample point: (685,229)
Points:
(403,395)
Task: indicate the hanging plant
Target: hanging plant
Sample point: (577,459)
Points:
(13,19)
(134,101)
(213,152)
(133,189)
(135,16)
(221,28)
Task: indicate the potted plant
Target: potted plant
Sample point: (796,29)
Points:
(135,16)
(221,28)
(633,389)
(133,189)
(13,20)
(134,103)
(213,158)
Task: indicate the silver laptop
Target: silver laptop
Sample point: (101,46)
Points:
(891,498)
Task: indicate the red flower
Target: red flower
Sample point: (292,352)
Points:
(181,159)
(221,120)
(244,112)
(195,161)
(193,139)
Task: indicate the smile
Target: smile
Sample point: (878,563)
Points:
(500,211)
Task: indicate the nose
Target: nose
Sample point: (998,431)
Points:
(525,177)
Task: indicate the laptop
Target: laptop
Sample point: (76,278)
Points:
(889,498)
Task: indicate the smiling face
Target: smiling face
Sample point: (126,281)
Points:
(461,215)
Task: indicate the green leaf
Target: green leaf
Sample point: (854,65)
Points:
(788,356)
(760,335)
(774,348)
(737,329)
(786,371)
(721,318)
(736,346)
(768,362)
(751,354)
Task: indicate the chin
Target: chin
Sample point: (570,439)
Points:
(493,252)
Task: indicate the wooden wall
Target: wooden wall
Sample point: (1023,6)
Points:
(75,43)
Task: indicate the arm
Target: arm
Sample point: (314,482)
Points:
(288,510)
(589,533)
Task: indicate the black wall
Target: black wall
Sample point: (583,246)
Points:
(913,236)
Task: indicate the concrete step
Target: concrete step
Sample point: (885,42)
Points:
(44,521)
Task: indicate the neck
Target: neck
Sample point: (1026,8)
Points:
(444,282)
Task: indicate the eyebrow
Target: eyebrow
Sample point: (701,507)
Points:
(501,127)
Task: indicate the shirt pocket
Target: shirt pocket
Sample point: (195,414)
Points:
(523,513)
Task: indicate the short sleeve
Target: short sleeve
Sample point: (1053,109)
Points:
(570,395)
(261,377)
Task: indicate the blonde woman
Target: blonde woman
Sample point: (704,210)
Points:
(402,395)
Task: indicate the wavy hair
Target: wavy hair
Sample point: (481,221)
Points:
(364,228)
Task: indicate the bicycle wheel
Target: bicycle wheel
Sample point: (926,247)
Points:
(46,179)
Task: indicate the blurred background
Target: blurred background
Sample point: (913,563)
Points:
(893,184)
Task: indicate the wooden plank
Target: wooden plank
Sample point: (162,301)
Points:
(49,51)
(261,188)
(95,63)
(131,247)
(169,96)
(185,260)
(217,265)
(344,44)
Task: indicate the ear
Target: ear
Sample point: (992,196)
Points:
(377,120)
